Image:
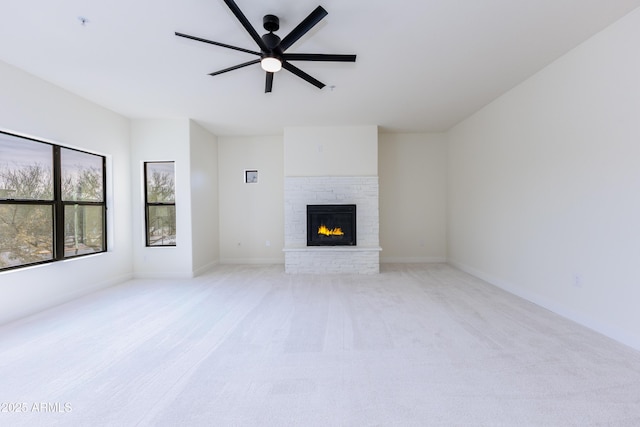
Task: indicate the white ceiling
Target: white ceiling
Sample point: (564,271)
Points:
(422,65)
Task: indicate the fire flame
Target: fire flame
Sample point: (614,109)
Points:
(324,230)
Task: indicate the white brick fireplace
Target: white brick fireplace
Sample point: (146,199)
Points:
(364,258)
(331,165)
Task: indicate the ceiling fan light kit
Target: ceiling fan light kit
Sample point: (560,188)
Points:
(272,49)
(271,64)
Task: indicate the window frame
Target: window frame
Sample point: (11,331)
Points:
(57,204)
(148,204)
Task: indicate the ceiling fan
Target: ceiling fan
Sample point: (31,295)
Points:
(272,49)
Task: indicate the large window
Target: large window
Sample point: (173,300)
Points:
(52,202)
(160,203)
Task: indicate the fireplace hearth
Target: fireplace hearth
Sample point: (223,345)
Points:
(331,225)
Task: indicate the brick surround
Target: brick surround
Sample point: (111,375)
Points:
(302,191)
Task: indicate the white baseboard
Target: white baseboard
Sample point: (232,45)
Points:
(252,261)
(412,260)
(162,275)
(199,271)
(560,309)
(113,281)
(65,298)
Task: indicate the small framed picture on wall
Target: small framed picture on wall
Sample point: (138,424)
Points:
(251,176)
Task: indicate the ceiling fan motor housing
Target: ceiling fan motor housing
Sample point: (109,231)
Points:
(271,23)
(272,41)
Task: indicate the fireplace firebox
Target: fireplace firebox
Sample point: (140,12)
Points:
(331,225)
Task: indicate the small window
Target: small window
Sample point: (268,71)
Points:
(160,203)
(52,202)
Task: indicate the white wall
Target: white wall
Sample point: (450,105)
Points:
(204,198)
(331,151)
(162,140)
(412,170)
(33,107)
(251,214)
(544,186)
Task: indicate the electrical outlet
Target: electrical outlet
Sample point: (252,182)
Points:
(577,281)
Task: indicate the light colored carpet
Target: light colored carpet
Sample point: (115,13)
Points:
(423,345)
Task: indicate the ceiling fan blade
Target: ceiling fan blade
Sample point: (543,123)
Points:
(298,72)
(307,23)
(228,46)
(246,24)
(269,83)
(235,67)
(318,57)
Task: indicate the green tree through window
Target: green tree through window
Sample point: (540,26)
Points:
(52,203)
(160,203)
